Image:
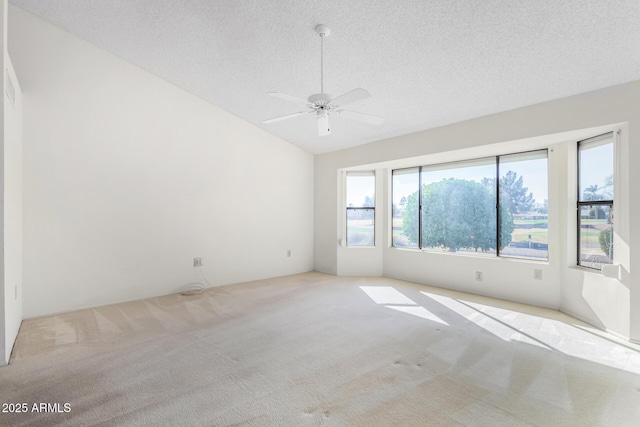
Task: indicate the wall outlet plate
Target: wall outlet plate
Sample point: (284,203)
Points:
(479,276)
(537,274)
(197,262)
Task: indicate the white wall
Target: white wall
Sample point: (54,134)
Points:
(3,321)
(127,178)
(11,214)
(12,210)
(604,302)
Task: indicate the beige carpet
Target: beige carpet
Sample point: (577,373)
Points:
(314,349)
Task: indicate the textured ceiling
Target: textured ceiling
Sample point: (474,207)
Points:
(426,63)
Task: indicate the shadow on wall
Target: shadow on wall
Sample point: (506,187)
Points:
(600,299)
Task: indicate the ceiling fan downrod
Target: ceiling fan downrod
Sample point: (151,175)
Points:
(323,31)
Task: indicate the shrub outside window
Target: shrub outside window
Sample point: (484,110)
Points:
(459,207)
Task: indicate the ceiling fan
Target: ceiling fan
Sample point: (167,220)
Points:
(323,103)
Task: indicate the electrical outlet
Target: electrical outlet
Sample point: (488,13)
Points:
(479,276)
(289,253)
(537,274)
(197,262)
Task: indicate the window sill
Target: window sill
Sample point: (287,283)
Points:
(476,256)
(586,269)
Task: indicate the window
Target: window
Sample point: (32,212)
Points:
(454,207)
(361,189)
(595,201)
(405,207)
(459,206)
(523,209)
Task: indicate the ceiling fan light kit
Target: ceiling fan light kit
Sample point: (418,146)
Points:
(323,123)
(323,103)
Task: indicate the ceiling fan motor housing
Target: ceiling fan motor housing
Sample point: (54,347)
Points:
(320,99)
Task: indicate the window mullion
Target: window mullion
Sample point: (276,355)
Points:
(420,207)
(497,190)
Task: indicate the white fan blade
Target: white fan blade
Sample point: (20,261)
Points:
(289,98)
(367,118)
(323,124)
(349,97)
(288,116)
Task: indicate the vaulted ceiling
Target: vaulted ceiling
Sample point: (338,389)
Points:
(427,63)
